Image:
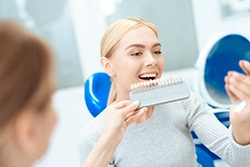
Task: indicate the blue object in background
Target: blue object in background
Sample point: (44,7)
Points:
(220,54)
(204,158)
(223,57)
(96,92)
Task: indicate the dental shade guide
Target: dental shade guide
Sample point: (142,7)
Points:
(159,91)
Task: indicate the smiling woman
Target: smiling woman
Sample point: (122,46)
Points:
(132,49)
(130,53)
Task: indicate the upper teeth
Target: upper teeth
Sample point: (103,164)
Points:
(148,75)
(161,82)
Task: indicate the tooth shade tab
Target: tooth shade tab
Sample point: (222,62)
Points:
(156,82)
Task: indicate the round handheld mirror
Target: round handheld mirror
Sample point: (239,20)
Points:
(220,55)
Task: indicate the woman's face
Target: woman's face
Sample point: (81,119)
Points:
(138,58)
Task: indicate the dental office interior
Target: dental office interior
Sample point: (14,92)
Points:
(187,30)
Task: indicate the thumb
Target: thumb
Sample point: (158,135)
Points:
(130,108)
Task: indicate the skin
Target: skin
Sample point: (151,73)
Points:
(238,86)
(44,123)
(28,136)
(138,53)
(45,126)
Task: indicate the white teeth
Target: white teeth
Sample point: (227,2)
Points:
(148,75)
(160,82)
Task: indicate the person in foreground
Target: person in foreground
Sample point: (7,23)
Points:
(131,53)
(27,118)
(26,87)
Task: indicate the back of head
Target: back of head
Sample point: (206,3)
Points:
(114,33)
(25,66)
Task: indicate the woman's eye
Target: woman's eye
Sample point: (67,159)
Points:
(136,54)
(158,52)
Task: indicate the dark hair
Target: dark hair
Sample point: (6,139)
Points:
(25,69)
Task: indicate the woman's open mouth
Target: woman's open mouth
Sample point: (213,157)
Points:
(150,76)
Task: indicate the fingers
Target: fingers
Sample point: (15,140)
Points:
(126,107)
(238,85)
(232,96)
(245,65)
(129,112)
(121,104)
(137,117)
(240,82)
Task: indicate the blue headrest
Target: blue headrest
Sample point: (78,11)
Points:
(96,91)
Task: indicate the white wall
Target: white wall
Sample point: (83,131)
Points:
(208,21)
(89,25)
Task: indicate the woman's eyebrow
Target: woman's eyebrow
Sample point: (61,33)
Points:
(135,45)
(157,44)
(141,46)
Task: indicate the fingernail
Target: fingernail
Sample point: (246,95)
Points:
(136,103)
(229,73)
(225,78)
(245,62)
(235,74)
(231,87)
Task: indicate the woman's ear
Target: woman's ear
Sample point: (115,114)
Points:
(25,132)
(107,66)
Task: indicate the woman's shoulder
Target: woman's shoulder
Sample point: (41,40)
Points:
(93,128)
(89,135)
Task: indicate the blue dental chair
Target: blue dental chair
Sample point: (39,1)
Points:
(96,94)
(96,91)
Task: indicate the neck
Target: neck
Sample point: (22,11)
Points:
(10,157)
(148,115)
(124,96)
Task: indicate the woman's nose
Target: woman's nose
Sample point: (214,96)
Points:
(150,60)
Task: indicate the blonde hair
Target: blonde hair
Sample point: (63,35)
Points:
(114,33)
